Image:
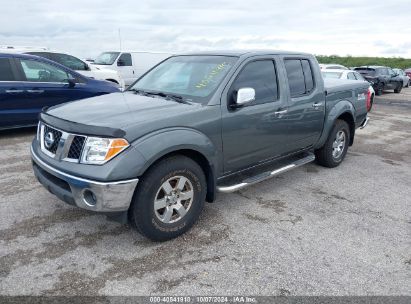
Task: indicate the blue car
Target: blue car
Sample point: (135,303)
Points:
(29,83)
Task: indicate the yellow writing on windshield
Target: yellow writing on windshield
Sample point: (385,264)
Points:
(210,76)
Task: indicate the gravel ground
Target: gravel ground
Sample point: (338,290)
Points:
(311,231)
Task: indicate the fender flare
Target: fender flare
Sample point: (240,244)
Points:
(343,107)
(186,141)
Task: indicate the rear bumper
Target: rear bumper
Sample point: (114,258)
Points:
(84,193)
(365,122)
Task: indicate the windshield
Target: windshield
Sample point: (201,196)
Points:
(365,71)
(335,75)
(106,58)
(194,78)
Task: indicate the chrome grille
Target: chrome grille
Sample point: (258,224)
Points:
(59,144)
(76,147)
(51,139)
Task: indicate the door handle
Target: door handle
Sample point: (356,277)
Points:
(317,105)
(280,113)
(35,91)
(12,91)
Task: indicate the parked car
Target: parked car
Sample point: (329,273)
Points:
(130,65)
(381,78)
(350,75)
(29,83)
(405,77)
(332,66)
(408,73)
(194,125)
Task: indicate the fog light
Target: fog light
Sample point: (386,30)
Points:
(89,198)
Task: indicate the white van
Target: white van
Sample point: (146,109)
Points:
(130,65)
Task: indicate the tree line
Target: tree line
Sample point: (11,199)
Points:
(349,61)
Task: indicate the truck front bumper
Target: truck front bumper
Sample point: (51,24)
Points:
(84,193)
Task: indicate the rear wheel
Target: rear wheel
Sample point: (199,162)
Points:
(169,198)
(398,88)
(336,146)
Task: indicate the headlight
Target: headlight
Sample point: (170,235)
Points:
(98,151)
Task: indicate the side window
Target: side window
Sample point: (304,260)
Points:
(6,72)
(308,76)
(70,62)
(359,76)
(261,76)
(125,60)
(351,76)
(42,72)
(295,76)
(391,72)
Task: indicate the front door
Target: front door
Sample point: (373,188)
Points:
(44,85)
(256,131)
(125,68)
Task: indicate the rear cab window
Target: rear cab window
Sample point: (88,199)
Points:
(300,77)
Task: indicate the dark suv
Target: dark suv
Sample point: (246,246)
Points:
(381,78)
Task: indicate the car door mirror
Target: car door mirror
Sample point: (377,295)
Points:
(120,62)
(244,96)
(71,82)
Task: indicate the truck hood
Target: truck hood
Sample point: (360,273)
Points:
(135,114)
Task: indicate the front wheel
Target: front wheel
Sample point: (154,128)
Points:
(398,88)
(336,146)
(169,198)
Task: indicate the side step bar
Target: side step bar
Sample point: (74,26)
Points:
(266,175)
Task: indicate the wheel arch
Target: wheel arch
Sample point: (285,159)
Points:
(181,141)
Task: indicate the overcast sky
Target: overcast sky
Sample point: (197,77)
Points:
(86,28)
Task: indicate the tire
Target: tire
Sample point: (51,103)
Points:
(398,88)
(379,90)
(326,156)
(159,225)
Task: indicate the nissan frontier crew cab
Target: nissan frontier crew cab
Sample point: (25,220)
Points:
(192,126)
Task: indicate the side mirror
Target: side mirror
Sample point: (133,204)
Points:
(71,82)
(244,96)
(120,62)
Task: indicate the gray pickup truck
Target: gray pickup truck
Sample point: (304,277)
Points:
(194,125)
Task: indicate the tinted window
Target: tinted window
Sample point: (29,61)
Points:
(6,73)
(351,76)
(366,71)
(70,62)
(308,76)
(261,76)
(295,77)
(42,72)
(126,59)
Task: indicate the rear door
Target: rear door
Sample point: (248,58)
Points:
(11,95)
(305,116)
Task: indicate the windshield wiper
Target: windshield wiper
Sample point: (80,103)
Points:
(174,97)
(137,91)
